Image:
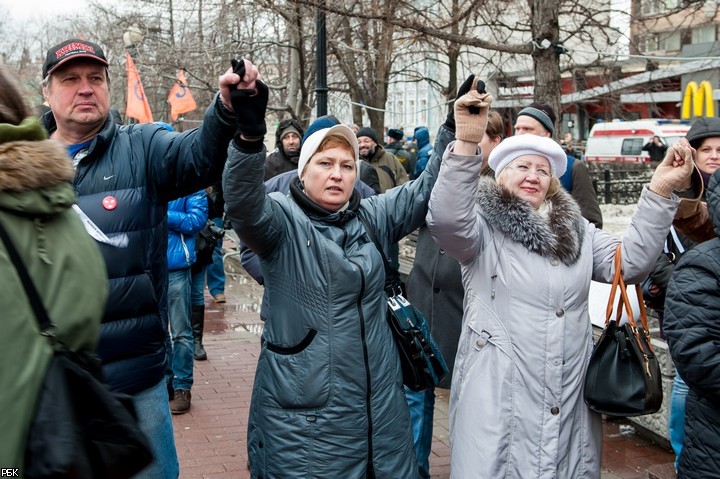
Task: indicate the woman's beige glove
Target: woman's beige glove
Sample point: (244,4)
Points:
(471,114)
(673,173)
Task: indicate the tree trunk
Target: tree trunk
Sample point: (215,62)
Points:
(546,61)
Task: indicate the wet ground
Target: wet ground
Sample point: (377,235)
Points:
(211,438)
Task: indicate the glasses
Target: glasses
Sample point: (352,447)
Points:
(526,170)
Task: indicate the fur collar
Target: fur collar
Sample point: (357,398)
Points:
(30,165)
(560,235)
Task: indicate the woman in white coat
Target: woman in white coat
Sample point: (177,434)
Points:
(527,257)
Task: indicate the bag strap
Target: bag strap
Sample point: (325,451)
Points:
(624,299)
(392,277)
(35,302)
(616,282)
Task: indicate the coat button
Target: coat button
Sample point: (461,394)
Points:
(436,290)
(442,251)
(555,262)
(480,343)
(554,410)
(560,313)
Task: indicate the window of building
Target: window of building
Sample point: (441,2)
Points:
(654,7)
(667,41)
(704,34)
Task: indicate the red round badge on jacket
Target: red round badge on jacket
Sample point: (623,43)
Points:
(109,203)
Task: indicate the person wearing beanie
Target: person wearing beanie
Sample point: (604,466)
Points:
(539,119)
(395,146)
(390,171)
(62,260)
(367,173)
(328,377)
(693,225)
(287,148)
(692,218)
(528,257)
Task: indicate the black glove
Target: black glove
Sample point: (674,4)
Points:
(464,88)
(249,105)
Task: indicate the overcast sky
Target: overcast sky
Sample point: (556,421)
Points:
(23,10)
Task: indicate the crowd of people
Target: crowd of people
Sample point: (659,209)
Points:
(121,228)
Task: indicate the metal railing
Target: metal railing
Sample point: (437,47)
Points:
(619,183)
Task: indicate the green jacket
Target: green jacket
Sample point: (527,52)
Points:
(390,171)
(66,267)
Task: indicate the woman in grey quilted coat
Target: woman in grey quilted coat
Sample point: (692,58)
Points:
(527,258)
(328,398)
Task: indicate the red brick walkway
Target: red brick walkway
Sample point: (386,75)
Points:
(211,438)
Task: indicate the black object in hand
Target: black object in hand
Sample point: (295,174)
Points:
(464,88)
(249,104)
(480,87)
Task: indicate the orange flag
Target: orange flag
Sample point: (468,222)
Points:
(137,104)
(180,99)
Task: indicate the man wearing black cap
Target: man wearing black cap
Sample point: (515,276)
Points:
(395,147)
(284,157)
(539,119)
(389,169)
(125,176)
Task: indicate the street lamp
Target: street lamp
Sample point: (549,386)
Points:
(320,62)
(132,37)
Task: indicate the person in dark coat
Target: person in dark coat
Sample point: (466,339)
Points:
(284,157)
(655,148)
(396,147)
(281,183)
(327,397)
(692,309)
(704,137)
(434,286)
(124,178)
(539,119)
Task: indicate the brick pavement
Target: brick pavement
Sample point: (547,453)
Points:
(211,438)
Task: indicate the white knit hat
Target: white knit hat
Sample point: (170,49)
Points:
(311,144)
(519,145)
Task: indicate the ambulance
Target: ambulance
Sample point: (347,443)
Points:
(622,141)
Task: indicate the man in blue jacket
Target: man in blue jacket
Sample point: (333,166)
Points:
(186,216)
(125,177)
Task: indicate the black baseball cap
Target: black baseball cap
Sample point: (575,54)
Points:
(69,50)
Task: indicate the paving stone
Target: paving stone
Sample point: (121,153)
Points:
(211,439)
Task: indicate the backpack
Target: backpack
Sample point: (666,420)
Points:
(403,157)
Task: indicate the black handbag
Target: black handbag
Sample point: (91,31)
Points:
(623,376)
(80,429)
(421,361)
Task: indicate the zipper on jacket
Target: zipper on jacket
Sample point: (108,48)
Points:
(370,467)
(185,249)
